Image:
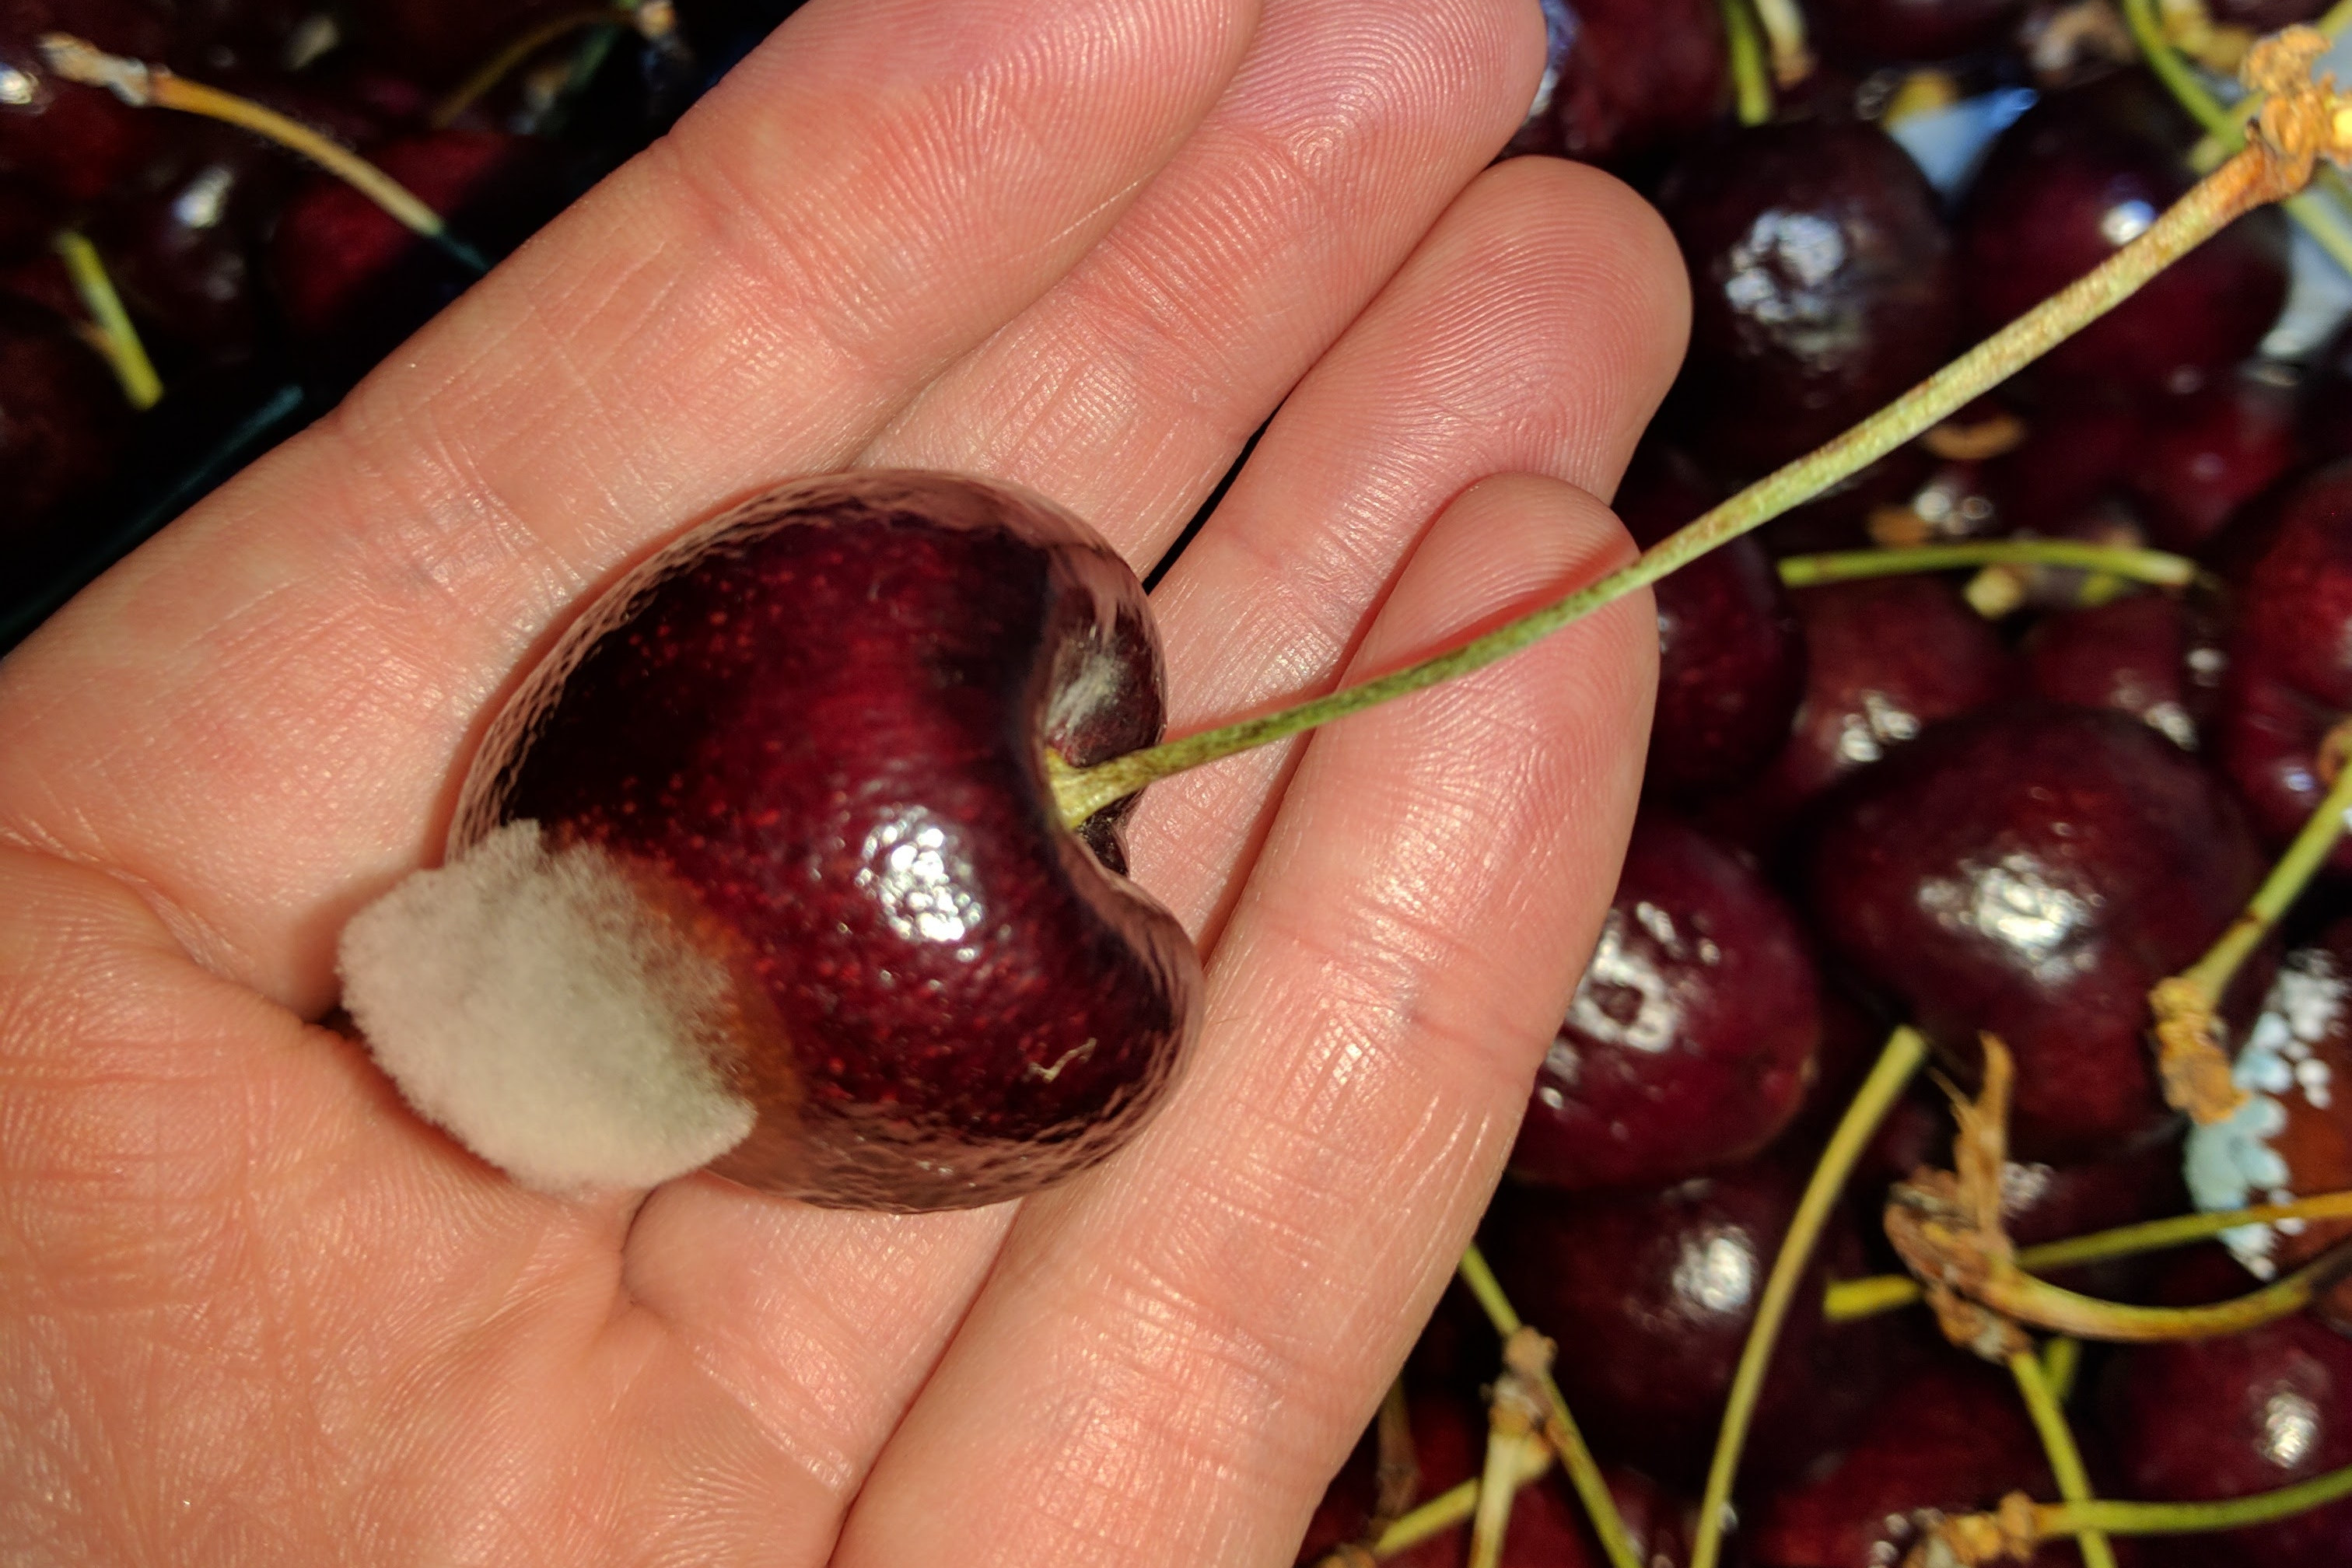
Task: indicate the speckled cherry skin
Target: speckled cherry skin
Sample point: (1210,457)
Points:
(1690,1043)
(2032,869)
(2200,458)
(2147,656)
(2230,1415)
(2290,656)
(1872,31)
(1885,658)
(1731,659)
(1950,1436)
(2067,185)
(1821,286)
(817,726)
(1633,75)
(1653,1290)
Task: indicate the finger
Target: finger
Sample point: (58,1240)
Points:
(1126,390)
(1535,333)
(1173,1355)
(257,718)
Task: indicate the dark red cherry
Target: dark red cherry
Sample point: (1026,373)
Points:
(180,240)
(2290,674)
(2292,1136)
(441,41)
(1626,77)
(2081,174)
(2031,870)
(1690,1043)
(1731,659)
(2232,1416)
(794,769)
(29,216)
(2043,1202)
(2327,398)
(74,139)
(1821,285)
(2146,656)
(62,419)
(1652,1293)
(1948,1437)
(2265,16)
(1871,31)
(1885,658)
(2200,458)
(2077,449)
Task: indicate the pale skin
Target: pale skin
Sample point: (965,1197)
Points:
(253,1311)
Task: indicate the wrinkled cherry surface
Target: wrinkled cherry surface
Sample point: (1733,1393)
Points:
(1821,286)
(947,1000)
(2030,870)
(2080,175)
(1691,1040)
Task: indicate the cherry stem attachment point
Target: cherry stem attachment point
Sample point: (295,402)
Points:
(1848,1300)
(141,86)
(2153,567)
(1905,1051)
(2058,1443)
(2021,1524)
(113,334)
(2265,172)
(1559,1425)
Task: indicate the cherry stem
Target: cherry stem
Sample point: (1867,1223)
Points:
(2058,1443)
(113,334)
(1396,1470)
(2151,566)
(1559,1427)
(2016,1295)
(1847,1300)
(1452,1507)
(1784,32)
(2252,177)
(2022,1523)
(1507,1445)
(2225,124)
(1905,1051)
(2061,1358)
(1751,85)
(500,66)
(148,86)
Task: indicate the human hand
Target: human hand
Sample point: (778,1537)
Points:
(253,1311)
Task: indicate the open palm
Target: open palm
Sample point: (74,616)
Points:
(253,1311)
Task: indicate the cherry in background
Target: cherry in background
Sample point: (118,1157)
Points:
(1691,1040)
(182,240)
(2078,177)
(1869,31)
(2230,1416)
(1626,77)
(2031,870)
(1652,1293)
(74,141)
(62,419)
(2200,458)
(1821,286)
(2290,671)
(2149,655)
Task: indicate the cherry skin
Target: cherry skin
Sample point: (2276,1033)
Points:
(1877,30)
(2202,457)
(1691,1040)
(1628,76)
(800,755)
(2031,870)
(76,141)
(62,418)
(1653,1292)
(1948,1437)
(2082,173)
(2147,655)
(1731,659)
(1821,286)
(181,240)
(2232,1415)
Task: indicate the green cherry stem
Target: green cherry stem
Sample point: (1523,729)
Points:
(2153,567)
(2252,177)
(1751,82)
(1451,1507)
(115,336)
(2058,1443)
(2038,1303)
(1785,40)
(1906,1049)
(2225,124)
(1848,1300)
(144,86)
(1559,1425)
(504,63)
(2022,1524)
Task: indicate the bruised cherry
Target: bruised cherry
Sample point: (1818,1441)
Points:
(2031,870)
(1690,1043)
(761,870)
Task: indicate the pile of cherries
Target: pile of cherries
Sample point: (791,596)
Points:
(1870,803)
(1867,803)
(245,269)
